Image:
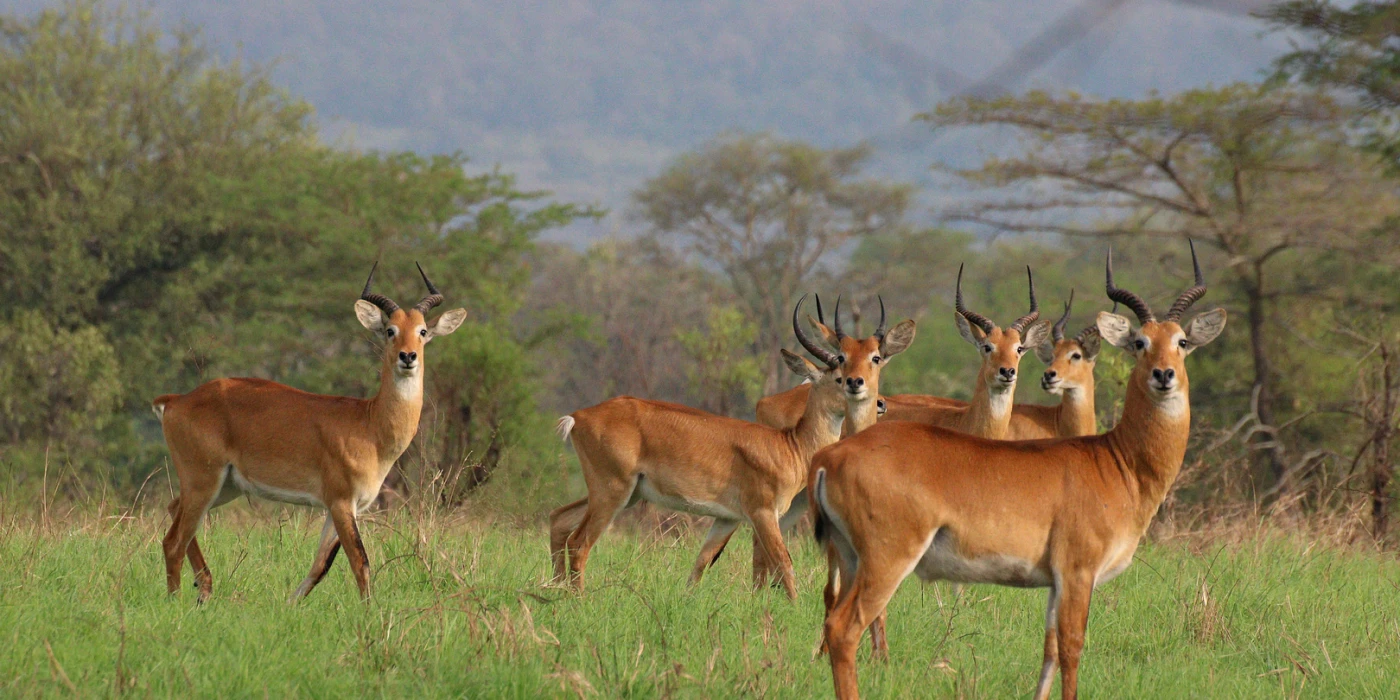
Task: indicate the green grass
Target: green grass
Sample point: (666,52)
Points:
(462,610)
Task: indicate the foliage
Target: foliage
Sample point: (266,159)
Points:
(55,384)
(724,374)
(767,212)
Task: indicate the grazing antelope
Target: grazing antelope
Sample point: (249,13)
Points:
(902,498)
(685,459)
(861,360)
(254,436)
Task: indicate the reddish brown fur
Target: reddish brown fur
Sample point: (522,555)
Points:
(1070,511)
(288,444)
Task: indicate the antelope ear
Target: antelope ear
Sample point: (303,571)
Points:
(1090,344)
(801,366)
(1045,352)
(1038,334)
(1118,331)
(447,322)
(1205,328)
(898,339)
(969,332)
(828,335)
(370,316)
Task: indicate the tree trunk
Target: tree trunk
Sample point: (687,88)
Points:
(1263,371)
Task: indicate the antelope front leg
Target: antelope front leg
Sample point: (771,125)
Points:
(765,525)
(325,556)
(348,532)
(1072,617)
(719,535)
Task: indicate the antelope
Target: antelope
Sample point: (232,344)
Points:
(861,360)
(254,436)
(1069,374)
(685,459)
(1067,514)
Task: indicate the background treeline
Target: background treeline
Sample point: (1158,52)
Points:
(166,218)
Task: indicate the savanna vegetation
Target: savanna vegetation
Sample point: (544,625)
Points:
(168,218)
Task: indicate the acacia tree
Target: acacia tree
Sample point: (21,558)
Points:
(766,211)
(1266,177)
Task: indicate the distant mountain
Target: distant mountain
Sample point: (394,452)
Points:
(588,98)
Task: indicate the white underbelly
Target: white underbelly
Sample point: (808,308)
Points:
(1118,559)
(942,562)
(272,493)
(648,492)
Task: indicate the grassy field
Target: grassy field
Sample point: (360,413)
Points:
(462,609)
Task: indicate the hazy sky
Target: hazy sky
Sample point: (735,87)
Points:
(588,98)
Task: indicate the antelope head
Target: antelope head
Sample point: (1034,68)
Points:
(861,359)
(1001,348)
(1161,346)
(1069,362)
(405,331)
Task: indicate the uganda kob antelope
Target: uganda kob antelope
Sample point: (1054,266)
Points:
(1067,514)
(860,361)
(688,460)
(235,436)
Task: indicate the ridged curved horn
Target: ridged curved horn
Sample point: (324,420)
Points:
(434,297)
(817,351)
(880,329)
(1128,299)
(1192,295)
(836,319)
(1057,331)
(1020,325)
(972,316)
(384,303)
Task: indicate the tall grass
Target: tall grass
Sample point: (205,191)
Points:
(462,607)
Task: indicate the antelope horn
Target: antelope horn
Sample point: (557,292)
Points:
(1129,299)
(1057,331)
(1092,329)
(817,351)
(836,318)
(1192,295)
(434,297)
(1029,318)
(384,303)
(972,316)
(880,329)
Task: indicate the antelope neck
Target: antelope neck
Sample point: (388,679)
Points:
(988,414)
(394,411)
(1076,412)
(1151,443)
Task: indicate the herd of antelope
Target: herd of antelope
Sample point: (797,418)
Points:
(983,491)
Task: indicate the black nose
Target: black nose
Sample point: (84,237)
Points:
(1049,374)
(1008,372)
(854,382)
(1164,376)
(408,357)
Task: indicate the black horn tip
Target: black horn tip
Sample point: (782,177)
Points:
(836,319)
(820,316)
(880,329)
(431,288)
(370,280)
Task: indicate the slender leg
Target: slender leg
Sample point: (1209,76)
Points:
(1052,655)
(859,605)
(325,556)
(188,509)
(720,533)
(761,566)
(562,523)
(174,562)
(598,515)
(765,524)
(1072,618)
(348,531)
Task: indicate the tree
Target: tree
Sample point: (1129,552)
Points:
(1266,177)
(723,374)
(766,212)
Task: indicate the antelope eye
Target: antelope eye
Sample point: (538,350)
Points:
(1182,343)
(1139,344)
(1020,349)
(875,360)
(1075,356)
(987,348)
(390,331)
(840,359)
(423,332)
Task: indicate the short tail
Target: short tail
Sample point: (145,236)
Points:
(820,520)
(564,427)
(158,405)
